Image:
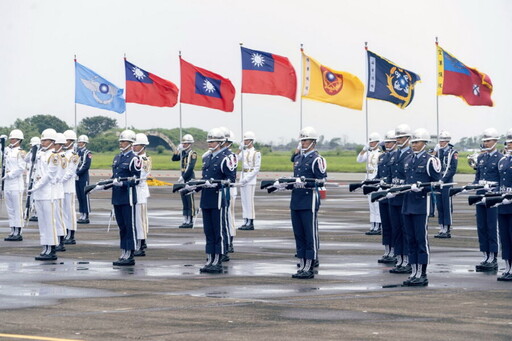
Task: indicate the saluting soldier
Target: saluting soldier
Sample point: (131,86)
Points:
(82,180)
(251,163)
(142,188)
(384,174)
(422,168)
(370,155)
(487,174)
(14,163)
(47,164)
(505,209)
(305,202)
(449,161)
(69,207)
(399,161)
(188,159)
(217,166)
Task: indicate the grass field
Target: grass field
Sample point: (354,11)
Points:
(343,162)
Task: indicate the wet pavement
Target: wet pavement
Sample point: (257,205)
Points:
(83,296)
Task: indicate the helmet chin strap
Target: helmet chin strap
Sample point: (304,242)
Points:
(489,148)
(422,149)
(140,151)
(403,144)
(311,146)
(212,149)
(47,147)
(58,149)
(12,145)
(125,148)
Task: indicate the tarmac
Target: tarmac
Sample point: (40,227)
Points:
(82,296)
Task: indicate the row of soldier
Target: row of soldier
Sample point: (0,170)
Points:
(403,179)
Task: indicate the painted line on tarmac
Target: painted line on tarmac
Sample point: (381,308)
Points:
(29,337)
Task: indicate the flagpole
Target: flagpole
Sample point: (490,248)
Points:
(301,81)
(242,117)
(76,126)
(181,125)
(437,97)
(125,108)
(366,99)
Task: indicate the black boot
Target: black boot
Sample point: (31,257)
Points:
(216,266)
(127,260)
(249,226)
(231,249)
(244,224)
(208,264)
(15,235)
(70,238)
(61,247)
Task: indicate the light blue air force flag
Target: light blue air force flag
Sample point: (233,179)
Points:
(93,90)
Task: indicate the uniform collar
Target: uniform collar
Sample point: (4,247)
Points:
(308,153)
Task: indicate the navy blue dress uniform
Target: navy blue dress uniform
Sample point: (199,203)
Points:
(505,211)
(214,202)
(449,162)
(421,168)
(398,161)
(188,159)
(82,180)
(487,218)
(126,164)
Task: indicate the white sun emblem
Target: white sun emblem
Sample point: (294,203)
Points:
(257,60)
(138,73)
(208,86)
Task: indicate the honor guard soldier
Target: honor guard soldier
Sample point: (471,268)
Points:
(69,209)
(188,159)
(305,202)
(47,164)
(505,209)
(35,141)
(82,180)
(229,225)
(399,161)
(449,161)
(422,168)
(14,167)
(370,155)
(141,209)
(58,190)
(251,163)
(384,174)
(487,174)
(217,166)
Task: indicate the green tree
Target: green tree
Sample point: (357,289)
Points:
(93,126)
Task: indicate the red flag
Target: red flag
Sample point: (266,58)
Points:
(268,74)
(146,88)
(455,78)
(205,88)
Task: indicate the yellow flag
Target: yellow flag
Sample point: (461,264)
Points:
(327,85)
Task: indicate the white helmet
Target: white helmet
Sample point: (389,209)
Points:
(231,137)
(127,135)
(226,132)
(60,138)
(83,138)
(249,135)
(216,135)
(445,136)
(508,137)
(420,135)
(141,139)
(49,134)
(70,135)
(187,138)
(374,137)
(490,134)
(35,141)
(308,133)
(16,134)
(390,136)
(402,130)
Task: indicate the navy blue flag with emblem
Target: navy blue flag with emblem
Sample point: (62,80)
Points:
(93,90)
(389,82)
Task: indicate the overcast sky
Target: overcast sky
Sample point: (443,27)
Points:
(39,38)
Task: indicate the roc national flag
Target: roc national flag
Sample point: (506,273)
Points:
(389,82)
(146,88)
(93,90)
(268,74)
(205,88)
(324,84)
(455,78)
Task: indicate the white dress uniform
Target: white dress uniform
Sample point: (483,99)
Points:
(13,187)
(71,159)
(371,157)
(58,194)
(47,166)
(141,208)
(251,160)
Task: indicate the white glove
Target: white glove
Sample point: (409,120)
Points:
(98,188)
(390,195)
(5,177)
(365,148)
(487,187)
(32,190)
(299,146)
(117,183)
(415,188)
(279,186)
(437,147)
(180,147)
(506,202)
(299,184)
(208,184)
(180,180)
(483,201)
(187,188)
(243,182)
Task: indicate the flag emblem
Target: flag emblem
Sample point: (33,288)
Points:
(333,82)
(257,60)
(398,81)
(101,92)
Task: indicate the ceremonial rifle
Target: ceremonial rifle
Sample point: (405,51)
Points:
(397,190)
(497,200)
(467,188)
(28,203)
(352,187)
(289,183)
(475,199)
(3,140)
(109,183)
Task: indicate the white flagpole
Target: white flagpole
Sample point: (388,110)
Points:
(437,96)
(366,98)
(181,124)
(125,108)
(76,125)
(242,117)
(301,81)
